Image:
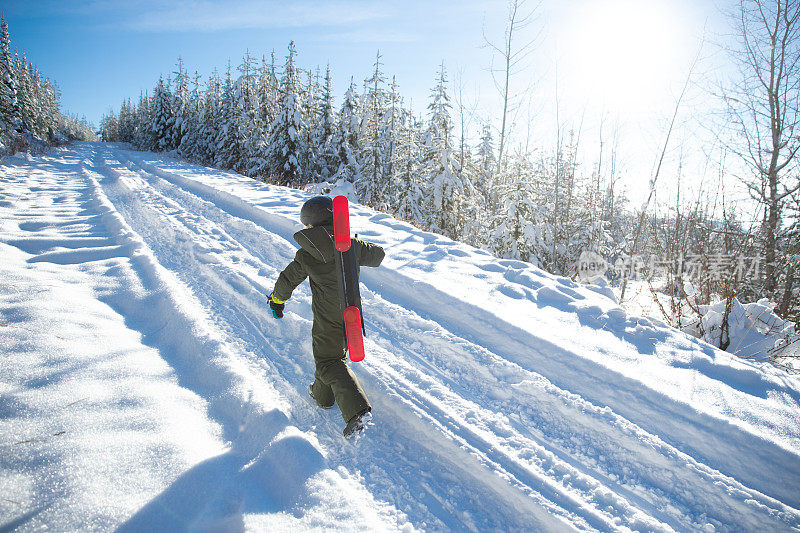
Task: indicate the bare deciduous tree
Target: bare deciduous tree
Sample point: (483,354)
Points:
(763,104)
(511,58)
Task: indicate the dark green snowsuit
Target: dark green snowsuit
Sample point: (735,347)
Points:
(315,260)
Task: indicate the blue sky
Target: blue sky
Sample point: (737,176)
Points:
(617,61)
(100,52)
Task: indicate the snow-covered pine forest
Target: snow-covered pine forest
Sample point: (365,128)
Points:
(281,124)
(30,116)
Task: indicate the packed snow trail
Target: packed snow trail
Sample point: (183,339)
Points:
(504,398)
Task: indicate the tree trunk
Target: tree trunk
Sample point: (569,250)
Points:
(783,309)
(770,243)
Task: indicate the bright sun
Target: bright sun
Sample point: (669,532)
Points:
(623,52)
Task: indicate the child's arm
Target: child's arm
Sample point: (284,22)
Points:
(371,254)
(292,276)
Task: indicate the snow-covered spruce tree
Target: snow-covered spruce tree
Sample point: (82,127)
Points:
(191,142)
(180,109)
(310,102)
(324,136)
(210,120)
(161,117)
(38,110)
(272,90)
(486,166)
(439,168)
(46,117)
(247,129)
(348,137)
(481,203)
(372,187)
(143,134)
(474,215)
(109,128)
(228,148)
(9,103)
(38,103)
(53,113)
(410,195)
(126,122)
(285,147)
(25,95)
(391,137)
(519,229)
(265,103)
(131,114)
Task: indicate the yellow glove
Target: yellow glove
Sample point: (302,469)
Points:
(276,306)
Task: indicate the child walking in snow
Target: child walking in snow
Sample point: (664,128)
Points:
(334,381)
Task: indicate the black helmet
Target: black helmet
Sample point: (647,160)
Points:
(317,212)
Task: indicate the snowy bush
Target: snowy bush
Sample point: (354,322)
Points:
(752,331)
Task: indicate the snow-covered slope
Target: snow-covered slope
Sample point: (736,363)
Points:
(145,385)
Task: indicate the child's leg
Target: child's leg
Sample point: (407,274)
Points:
(349,395)
(321,392)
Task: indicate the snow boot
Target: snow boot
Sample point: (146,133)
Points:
(357,424)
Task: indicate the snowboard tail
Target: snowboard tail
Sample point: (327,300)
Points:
(354,333)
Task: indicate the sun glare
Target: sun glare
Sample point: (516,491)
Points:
(624,52)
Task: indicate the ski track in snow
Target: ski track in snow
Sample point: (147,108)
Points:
(504,398)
